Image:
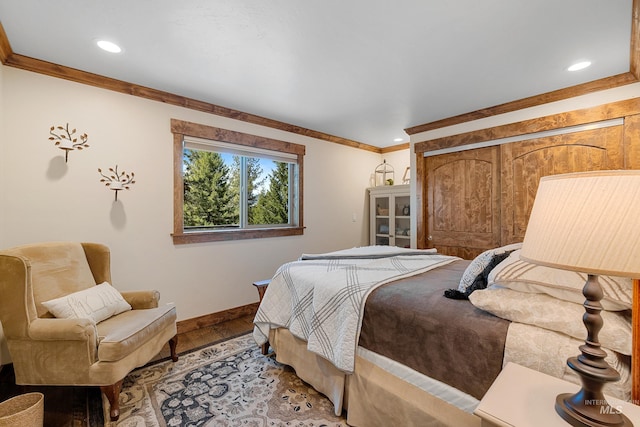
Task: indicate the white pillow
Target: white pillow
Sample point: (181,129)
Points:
(97,303)
(555,315)
(519,275)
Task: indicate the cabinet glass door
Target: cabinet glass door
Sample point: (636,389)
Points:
(382,221)
(390,216)
(402,215)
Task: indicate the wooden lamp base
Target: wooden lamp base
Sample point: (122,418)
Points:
(581,415)
(589,407)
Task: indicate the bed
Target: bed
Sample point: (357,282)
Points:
(402,353)
(470,204)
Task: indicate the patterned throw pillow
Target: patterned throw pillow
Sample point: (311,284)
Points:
(98,303)
(474,270)
(476,274)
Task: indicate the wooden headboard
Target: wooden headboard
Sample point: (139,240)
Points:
(472,200)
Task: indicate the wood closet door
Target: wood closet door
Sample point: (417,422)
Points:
(525,162)
(632,142)
(462,206)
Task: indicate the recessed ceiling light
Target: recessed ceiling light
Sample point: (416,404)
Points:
(579,66)
(109,46)
(398,140)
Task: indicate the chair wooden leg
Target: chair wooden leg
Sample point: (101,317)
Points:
(113,395)
(173,342)
(264,348)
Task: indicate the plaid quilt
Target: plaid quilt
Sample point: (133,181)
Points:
(320,298)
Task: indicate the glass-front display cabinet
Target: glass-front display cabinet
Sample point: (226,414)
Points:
(390,216)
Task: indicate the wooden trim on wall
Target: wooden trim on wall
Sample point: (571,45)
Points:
(5,47)
(181,238)
(215,318)
(634,63)
(632,76)
(555,121)
(178,185)
(422,241)
(300,193)
(393,148)
(225,135)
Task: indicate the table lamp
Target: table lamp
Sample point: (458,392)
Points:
(588,222)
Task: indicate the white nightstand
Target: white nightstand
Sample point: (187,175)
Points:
(523,397)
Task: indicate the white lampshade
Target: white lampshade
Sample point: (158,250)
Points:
(587,222)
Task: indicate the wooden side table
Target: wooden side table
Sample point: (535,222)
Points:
(261,286)
(526,398)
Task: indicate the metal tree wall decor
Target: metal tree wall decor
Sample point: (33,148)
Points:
(65,139)
(117,181)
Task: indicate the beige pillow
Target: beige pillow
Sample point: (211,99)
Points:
(555,315)
(98,302)
(519,275)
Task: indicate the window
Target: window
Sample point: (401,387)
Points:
(229,185)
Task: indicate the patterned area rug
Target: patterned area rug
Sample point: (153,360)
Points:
(226,384)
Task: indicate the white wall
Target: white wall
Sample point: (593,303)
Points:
(400,161)
(44,199)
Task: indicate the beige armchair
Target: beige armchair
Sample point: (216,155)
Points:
(76,351)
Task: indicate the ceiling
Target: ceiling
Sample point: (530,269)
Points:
(363,70)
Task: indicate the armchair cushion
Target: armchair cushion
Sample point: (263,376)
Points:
(121,335)
(98,303)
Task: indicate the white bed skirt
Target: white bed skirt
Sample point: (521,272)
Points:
(315,370)
(372,396)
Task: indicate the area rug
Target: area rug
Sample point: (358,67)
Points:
(226,384)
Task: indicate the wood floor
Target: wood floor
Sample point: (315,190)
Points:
(82,406)
(210,334)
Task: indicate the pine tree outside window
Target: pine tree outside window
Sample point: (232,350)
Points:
(234,186)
